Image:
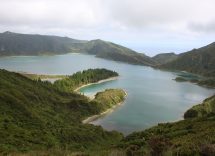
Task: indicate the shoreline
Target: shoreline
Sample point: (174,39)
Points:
(101,81)
(92,118)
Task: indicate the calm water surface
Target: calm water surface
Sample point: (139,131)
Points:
(153,95)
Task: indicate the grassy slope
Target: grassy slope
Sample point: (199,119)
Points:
(195,136)
(36,116)
(199,61)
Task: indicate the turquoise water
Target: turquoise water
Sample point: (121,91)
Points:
(153,95)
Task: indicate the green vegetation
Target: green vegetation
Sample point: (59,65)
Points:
(207,108)
(26,44)
(207,82)
(180,79)
(112,51)
(110,97)
(193,136)
(38,118)
(78,79)
(200,61)
(35,116)
(164,57)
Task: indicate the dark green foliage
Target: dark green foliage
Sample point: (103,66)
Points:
(78,79)
(207,108)
(180,79)
(206,82)
(110,98)
(199,61)
(210,82)
(35,116)
(191,113)
(164,57)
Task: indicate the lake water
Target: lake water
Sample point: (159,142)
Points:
(153,95)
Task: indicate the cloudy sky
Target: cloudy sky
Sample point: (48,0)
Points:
(149,26)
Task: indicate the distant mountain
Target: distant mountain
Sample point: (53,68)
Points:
(112,51)
(200,61)
(27,44)
(164,57)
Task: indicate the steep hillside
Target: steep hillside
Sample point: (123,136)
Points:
(164,57)
(108,50)
(35,116)
(199,61)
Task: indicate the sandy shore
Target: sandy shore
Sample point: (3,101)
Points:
(101,81)
(94,117)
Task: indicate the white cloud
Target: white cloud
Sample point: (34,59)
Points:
(123,21)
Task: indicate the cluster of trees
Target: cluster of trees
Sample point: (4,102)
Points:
(78,79)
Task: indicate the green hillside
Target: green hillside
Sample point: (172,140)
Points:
(35,116)
(164,58)
(193,136)
(200,61)
(112,51)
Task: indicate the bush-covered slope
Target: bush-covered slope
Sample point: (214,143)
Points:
(110,97)
(78,79)
(35,116)
(194,136)
(207,108)
(199,61)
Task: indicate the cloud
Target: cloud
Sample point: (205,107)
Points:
(50,13)
(155,22)
(203,27)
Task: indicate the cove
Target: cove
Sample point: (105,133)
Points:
(153,95)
